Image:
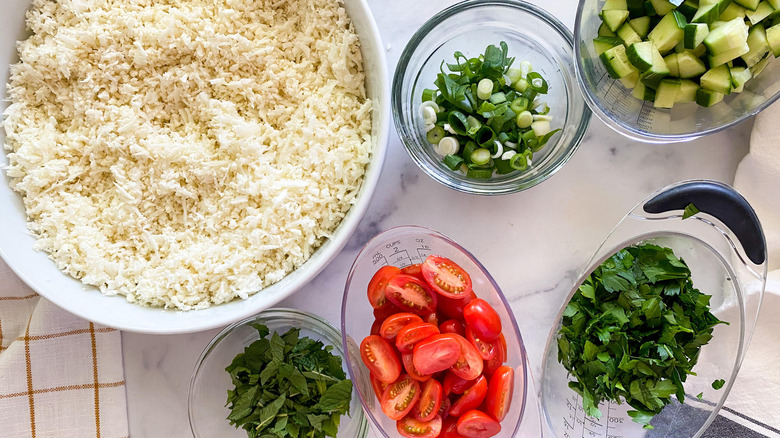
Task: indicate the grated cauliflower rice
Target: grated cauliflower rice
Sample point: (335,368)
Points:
(183,154)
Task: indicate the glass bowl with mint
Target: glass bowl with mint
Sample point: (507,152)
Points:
(277,374)
(484,97)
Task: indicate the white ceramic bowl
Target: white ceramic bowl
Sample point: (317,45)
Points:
(41,274)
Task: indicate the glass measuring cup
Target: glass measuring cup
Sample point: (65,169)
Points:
(409,245)
(638,119)
(725,250)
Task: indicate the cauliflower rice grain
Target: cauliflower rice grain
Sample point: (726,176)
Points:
(186,153)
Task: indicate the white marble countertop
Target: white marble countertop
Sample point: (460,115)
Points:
(534,242)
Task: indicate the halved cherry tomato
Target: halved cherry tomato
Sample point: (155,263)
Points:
(500,357)
(378,284)
(400,396)
(469,364)
(471,399)
(453,384)
(483,319)
(380,358)
(411,294)
(454,308)
(453,326)
(384,312)
(430,401)
(446,277)
(413,270)
(412,333)
(477,424)
(444,409)
(412,428)
(486,349)
(432,318)
(499,395)
(408,362)
(375,327)
(378,386)
(449,428)
(394,323)
(436,353)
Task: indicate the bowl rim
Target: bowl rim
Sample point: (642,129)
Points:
(16,241)
(627,130)
(483,187)
(307,319)
(523,355)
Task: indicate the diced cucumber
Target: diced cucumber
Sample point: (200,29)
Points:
(604,31)
(604,43)
(775,3)
(671,64)
(666,94)
(708,12)
(732,11)
(641,55)
(662,7)
(729,55)
(614,19)
(611,5)
(747,4)
(695,34)
(641,25)
(628,35)
(643,92)
(722,5)
(758,44)
(763,10)
(629,81)
(717,24)
(759,67)
(668,32)
(689,65)
(773,39)
(616,62)
(688,90)
(659,70)
(717,79)
(688,8)
(739,76)
(707,98)
(636,8)
(727,37)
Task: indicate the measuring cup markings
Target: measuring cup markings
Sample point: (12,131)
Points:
(578,425)
(393,254)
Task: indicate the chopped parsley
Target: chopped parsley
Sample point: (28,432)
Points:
(288,386)
(633,332)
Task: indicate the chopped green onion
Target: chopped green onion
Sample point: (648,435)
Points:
(484,136)
(435,135)
(541,128)
(497,98)
(485,89)
(514,74)
(468,150)
(453,161)
(519,105)
(546,138)
(525,119)
(479,173)
(502,137)
(537,82)
(448,146)
(480,157)
(473,125)
(521,85)
(519,161)
(428,95)
(526,67)
(458,122)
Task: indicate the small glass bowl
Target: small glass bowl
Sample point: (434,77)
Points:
(403,246)
(210,382)
(470,26)
(639,120)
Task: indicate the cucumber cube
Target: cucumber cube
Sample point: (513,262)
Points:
(643,92)
(640,25)
(758,44)
(666,94)
(695,34)
(604,43)
(708,12)
(611,5)
(707,98)
(604,31)
(628,35)
(614,19)
(616,62)
(758,68)
(662,7)
(641,55)
(731,35)
(671,63)
(717,79)
(739,76)
(763,10)
(688,8)
(689,65)
(629,81)
(668,32)
(732,11)
(773,39)
(747,4)
(687,91)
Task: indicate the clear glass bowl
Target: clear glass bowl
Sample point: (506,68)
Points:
(470,26)
(639,120)
(404,246)
(210,382)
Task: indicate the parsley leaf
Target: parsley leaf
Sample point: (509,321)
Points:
(633,330)
(287,386)
(718,384)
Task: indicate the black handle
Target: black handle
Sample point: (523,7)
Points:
(722,202)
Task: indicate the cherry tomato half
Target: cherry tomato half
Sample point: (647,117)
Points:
(454,308)
(432,318)
(453,384)
(499,394)
(483,319)
(378,386)
(378,284)
(444,409)
(386,311)
(375,327)
(394,323)
(412,428)
(486,349)
(477,424)
(436,353)
(469,364)
(400,396)
(413,270)
(430,401)
(471,399)
(449,428)
(408,362)
(499,358)
(453,326)
(446,277)
(413,333)
(411,294)
(380,358)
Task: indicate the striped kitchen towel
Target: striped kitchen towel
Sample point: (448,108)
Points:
(60,376)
